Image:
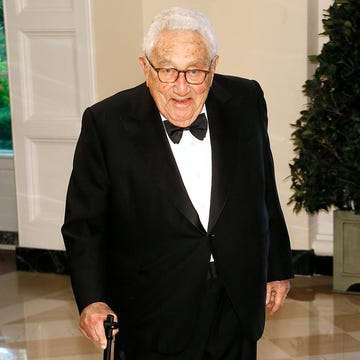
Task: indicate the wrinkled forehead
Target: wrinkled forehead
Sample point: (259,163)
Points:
(188,45)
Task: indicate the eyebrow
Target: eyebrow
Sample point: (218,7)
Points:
(194,64)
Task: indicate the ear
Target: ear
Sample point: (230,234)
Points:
(215,62)
(144,65)
(213,67)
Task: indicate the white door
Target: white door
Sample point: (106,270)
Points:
(51,82)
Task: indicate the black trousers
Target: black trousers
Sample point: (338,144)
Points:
(217,335)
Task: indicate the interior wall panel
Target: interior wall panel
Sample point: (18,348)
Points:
(50,56)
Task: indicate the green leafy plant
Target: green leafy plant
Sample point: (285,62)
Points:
(5,126)
(326,169)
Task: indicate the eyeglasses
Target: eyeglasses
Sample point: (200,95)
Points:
(170,75)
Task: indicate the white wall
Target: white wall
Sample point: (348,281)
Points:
(267,40)
(8,216)
(118,32)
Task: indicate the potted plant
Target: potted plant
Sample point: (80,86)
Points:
(325,171)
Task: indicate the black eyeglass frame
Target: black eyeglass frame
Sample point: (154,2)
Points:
(157,70)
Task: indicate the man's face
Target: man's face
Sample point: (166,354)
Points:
(179,102)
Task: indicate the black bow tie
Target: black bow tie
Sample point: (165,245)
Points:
(198,128)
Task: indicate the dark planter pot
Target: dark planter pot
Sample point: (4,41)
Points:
(346,251)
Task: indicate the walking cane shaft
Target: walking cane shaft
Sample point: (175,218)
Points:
(109,326)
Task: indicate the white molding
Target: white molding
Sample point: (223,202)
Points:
(321,233)
(51,74)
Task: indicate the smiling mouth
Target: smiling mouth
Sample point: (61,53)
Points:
(182,101)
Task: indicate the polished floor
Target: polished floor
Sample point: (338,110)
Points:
(38,320)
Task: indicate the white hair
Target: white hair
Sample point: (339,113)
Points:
(177,18)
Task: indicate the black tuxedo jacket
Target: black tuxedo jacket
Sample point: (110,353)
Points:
(133,237)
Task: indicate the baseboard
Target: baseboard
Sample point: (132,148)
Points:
(40,260)
(305,262)
(8,238)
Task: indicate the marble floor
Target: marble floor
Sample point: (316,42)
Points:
(38,321)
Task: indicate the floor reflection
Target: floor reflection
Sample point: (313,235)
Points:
(38,321)
(315,324)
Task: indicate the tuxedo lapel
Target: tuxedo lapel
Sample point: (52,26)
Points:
(161,164)
(222,145)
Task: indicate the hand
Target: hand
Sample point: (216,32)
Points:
(276,292)
(91,323)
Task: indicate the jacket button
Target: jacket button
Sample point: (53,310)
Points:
(211,236)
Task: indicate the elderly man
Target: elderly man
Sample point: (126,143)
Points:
(173,222)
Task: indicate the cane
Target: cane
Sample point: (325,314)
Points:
(109,325)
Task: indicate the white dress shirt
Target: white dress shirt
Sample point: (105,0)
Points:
(193,158)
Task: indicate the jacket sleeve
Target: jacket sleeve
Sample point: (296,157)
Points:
(84,228)
(279,260)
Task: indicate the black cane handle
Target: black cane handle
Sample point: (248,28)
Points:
(109,326)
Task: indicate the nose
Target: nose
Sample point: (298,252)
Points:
(181,85)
